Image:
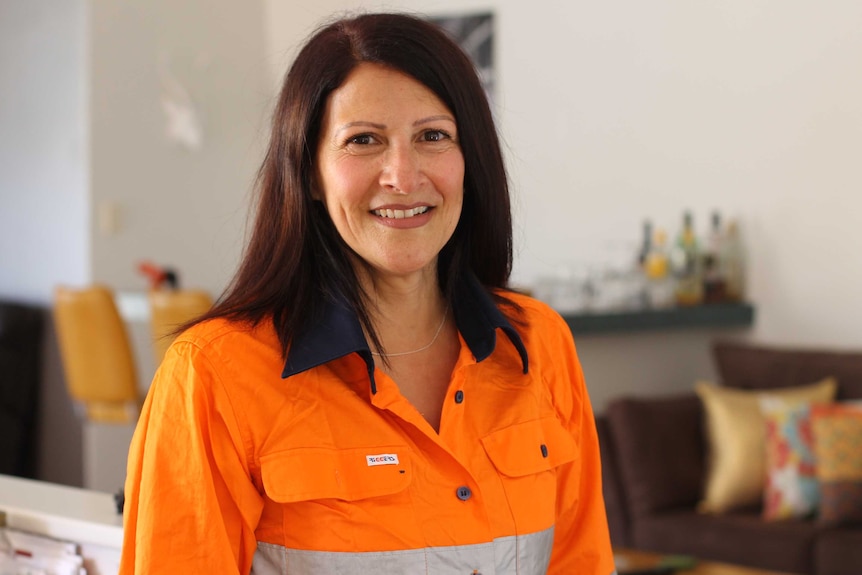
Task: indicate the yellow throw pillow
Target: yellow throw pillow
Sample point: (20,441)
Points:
(736,440)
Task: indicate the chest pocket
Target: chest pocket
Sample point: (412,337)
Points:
(344,474)
(527,456)
(334,499)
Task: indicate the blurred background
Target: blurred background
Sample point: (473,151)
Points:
(132,131)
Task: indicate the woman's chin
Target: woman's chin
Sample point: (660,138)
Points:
(404,267)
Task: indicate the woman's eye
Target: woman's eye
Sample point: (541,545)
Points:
(435,136)
(361,139)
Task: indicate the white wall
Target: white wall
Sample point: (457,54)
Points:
(650,108)
(616,111)
(179,203)
(43,147)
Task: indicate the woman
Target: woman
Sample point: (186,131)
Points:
(348,406)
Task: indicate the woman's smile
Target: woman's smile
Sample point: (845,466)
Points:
(403,218)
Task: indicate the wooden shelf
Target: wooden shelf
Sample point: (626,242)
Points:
(703,316)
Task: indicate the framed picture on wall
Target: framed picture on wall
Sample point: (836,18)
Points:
(475,34)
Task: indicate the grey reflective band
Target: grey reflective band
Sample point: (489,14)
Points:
(516,555)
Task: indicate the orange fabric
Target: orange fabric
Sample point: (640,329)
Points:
(171,308)
(227,453)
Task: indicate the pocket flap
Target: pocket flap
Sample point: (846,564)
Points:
(323,473)
(530,447)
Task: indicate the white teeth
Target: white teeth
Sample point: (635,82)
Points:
(400,214)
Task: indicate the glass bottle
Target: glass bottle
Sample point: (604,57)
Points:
(646,242)
(659,283)
(641,296)
(733,264)
(713,269)
(686,265)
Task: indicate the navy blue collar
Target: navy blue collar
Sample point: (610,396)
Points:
(339,332)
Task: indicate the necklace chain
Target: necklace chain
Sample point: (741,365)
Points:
(424,347)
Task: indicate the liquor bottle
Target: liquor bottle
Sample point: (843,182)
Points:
(646,242)
(713,270)
(659,283)
(640,298)
(733,263)
(686,265)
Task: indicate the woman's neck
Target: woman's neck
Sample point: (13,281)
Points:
(406,312)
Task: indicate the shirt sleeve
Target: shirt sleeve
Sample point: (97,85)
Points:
(191,506)
(581,538)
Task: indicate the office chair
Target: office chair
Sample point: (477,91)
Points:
(96,354)
(99,368)
(171,308)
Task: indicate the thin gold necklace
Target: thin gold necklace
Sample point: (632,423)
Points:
(424,347)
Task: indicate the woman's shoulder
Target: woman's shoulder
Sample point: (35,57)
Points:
(541,327)
(223,334)
(221,349)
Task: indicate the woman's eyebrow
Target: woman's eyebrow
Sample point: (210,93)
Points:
(434,119)
(364,123)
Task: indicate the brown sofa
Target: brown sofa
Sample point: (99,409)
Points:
(654,465)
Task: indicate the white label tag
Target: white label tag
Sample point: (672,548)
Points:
(382,459)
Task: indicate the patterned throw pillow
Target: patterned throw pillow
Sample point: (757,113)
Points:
(837,431)
(792,489)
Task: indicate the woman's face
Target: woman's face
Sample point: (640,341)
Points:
(390,170)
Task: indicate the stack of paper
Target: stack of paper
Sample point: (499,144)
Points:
(23,553)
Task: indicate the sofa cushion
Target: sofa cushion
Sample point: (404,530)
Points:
(838,447)
(838,552)
(792,488)
(736,441)
(741,538)
(755,367)
(659,447)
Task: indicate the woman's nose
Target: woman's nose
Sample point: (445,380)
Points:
(402,170)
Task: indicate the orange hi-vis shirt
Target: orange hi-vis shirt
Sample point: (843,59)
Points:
(244,463)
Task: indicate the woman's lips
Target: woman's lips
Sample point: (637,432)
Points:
(403,218)
(400,214)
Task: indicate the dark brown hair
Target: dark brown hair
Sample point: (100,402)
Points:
(295,259)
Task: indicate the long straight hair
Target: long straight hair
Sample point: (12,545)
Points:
(295,259)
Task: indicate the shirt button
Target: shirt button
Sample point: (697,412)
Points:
(459,396)
(464,493)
